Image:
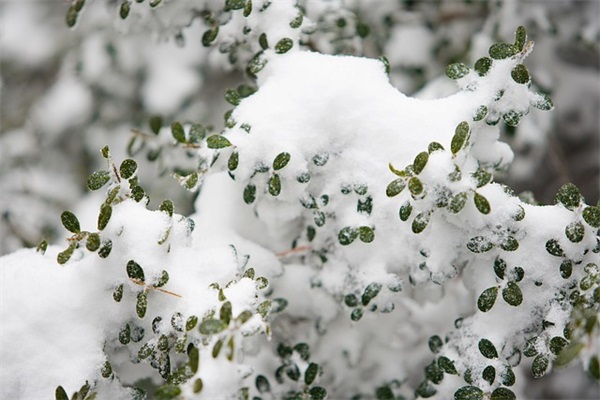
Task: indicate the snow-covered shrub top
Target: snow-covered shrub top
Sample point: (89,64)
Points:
(348,241)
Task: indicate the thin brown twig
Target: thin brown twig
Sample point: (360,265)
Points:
(292,251)
(138,282)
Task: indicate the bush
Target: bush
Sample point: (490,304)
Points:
(347,241)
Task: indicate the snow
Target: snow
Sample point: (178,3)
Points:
(61,323)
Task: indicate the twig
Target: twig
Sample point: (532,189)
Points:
(138,282)
(293,251)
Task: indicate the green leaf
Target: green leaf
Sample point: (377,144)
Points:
(518,274)
(420,162)
(483,65)
(127,168)
(311,373)
(503,394)
(156,123)
(262,384)
(542,102)
(370,292)
(420,222)
(178,132)
(71,17)
(520,38)
(568,354)
(553,247)
(321,159)
(105,249)
(487,299)
(468,393)
(70,222)
(106,370)
(457,70)
(284,45)
(480,113)
(225,312)
(209,36)
(510,244)
(487,349)
(281,161)
(434,146)
(520,74)
(539,366)
(234,4)
(575,231)
(249,194)
(366,234)
(191,322)
(93,242)
(568,195)
(557,344)
(386,64)
(479,244)
(458,202)
(162,280)
(435,344)
(591,215)
(304,350)
(141,304)
(135,271)
(263,42)
(362,30)
(384,393)
(217,142)
(105,151)
(447,365)
(167,392)
(104,216)
(351,300)
(125,335)
(317,393)
(60,394)
(65,255)
(482,177)
(124,9)
(594,367)
(212,326)
(293,372)
(274,185)
(460,137)
(512,294)
(395,187)
(304,177)
(415,186)
(356,314)
(508,377)
(98,179)
(365,206)
(233,162)
(118,293)
(42,247)
(405,211)
(566,269)
(511,118)
(198,385)
(482,204)
(501,51)
(347,235)
(425,390)
(489,374)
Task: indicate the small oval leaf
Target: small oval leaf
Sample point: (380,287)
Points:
(487,299)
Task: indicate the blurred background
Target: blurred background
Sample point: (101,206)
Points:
(67,92)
